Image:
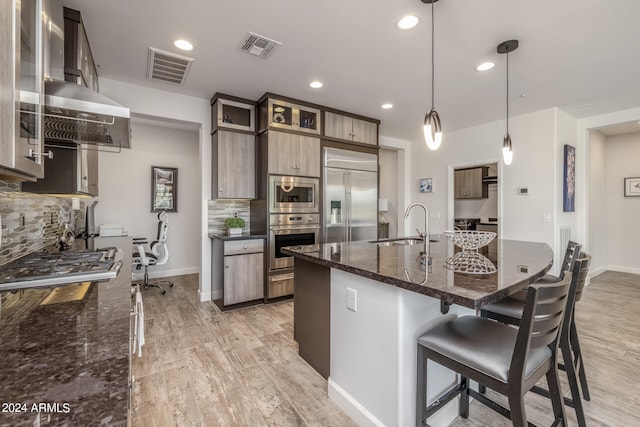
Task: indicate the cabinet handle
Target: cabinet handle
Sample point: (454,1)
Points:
(85,178)
(226,266)
(220,190)
(244,246)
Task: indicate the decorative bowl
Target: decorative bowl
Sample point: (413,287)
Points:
(470,262)
(470,240)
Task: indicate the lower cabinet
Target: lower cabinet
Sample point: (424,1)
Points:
(237,271)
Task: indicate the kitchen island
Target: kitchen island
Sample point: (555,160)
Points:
(65,350)
(359,307)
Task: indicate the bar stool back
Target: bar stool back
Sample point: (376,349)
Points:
(507,360)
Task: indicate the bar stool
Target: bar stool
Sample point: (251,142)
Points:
(509,310)
(505,359)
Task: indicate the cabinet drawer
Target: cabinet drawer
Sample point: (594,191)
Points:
(235,247)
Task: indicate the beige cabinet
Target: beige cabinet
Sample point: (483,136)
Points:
(293,154)
(350,128)
(284,115)
(238,271)
(233,166)
(470,184)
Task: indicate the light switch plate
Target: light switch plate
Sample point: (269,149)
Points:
(352,299)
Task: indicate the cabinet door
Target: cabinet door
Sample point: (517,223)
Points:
(282,153)
(308,156)
(469,185)
(235,165)
(243,278)
(89,170)
(338,126)
(365,132)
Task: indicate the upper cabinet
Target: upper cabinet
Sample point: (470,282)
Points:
(79,66)
(470,183)
(291,154)
(350,129)
(232,113)
(23,29)
(233,165)
(282,115)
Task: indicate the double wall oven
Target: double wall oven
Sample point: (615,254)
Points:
(293,220)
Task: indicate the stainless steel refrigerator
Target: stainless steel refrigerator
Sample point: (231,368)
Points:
(350,196)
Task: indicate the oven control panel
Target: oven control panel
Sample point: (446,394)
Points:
(294,219)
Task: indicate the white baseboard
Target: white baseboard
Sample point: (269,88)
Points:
(351,407)
(165,273)
(594,273)
(204,296)
(623,269)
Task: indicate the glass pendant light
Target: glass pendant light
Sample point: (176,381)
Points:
(507,150)
(432,128)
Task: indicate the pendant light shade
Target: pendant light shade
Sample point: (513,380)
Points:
(432,128)
(507,150)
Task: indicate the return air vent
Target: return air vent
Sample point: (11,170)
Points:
(258,45)
(168,67)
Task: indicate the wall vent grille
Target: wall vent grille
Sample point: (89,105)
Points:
(565,237)
(258,45)
(168,67)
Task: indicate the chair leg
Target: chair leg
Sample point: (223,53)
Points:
(463,407)
(516,406)
(579,361)
(421,388)
(572,378)
(556,395)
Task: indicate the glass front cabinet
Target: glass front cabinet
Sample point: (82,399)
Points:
(285,115)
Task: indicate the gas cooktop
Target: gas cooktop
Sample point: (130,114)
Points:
(53,269)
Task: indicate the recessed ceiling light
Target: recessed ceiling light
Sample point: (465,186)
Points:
(408,22)
(316,84)
(485,66)
(387,106)
(183,44)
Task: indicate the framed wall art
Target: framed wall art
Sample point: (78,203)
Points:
(632,187)
(426,185)
(164,189)
(569,180)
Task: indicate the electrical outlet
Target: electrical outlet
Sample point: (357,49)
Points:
(352,299)
(435,215)
(546,217)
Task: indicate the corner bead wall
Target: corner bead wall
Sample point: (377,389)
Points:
(32,222)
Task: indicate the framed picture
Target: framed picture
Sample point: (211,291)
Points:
(569,179)
(164,189)
(426,185)
(632,187)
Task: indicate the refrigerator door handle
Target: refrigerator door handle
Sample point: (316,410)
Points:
(348,204)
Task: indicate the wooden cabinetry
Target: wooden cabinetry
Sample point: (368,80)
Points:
(283,115)
(492,247)
(292,154)
(233,166)
(350,128)
(79,66)
(233,113)
(470,184)
(238,269)
(73,169)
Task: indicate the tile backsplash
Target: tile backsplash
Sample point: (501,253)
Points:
(32,222)
(219,210)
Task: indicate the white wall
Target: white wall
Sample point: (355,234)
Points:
(186,110)
(598,218)
(623,213)
(125,186)
(403,149)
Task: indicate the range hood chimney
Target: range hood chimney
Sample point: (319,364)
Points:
(77,114)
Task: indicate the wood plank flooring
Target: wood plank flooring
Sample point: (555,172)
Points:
(201,367)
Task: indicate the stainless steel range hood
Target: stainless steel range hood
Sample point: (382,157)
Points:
(77,114)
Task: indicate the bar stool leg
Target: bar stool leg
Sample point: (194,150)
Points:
(577,352)
(556,396)
(463,407)
(573,382)
(421,388)
(516,406)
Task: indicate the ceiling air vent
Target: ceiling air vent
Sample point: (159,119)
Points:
(258,45)
(168,67)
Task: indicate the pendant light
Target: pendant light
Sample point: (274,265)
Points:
(432,128)
(507,150)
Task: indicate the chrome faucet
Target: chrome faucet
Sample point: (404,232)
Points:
(425,235)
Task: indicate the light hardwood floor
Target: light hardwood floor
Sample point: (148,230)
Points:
(206,368)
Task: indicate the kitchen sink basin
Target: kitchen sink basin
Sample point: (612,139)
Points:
(405,241)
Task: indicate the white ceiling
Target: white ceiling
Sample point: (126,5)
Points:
(580,55)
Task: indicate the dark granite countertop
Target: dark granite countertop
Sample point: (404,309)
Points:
(399,266)
(243,236)
(73,355)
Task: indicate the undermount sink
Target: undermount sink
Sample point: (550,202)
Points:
(405,241)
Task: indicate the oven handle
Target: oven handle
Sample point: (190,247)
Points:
(281,230)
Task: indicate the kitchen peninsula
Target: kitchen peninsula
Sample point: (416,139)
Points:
(359,307)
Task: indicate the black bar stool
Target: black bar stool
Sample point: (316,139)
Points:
(505,359)
(509,310)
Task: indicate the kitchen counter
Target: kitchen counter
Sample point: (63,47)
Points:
(398,266)
(243,236)
(72,355)
(488,222)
